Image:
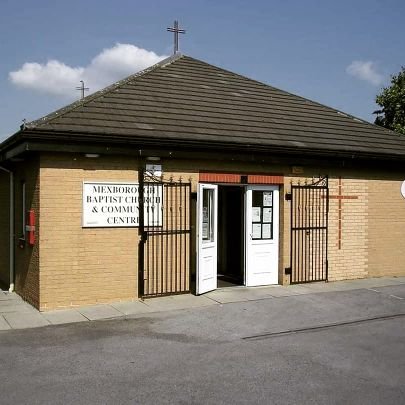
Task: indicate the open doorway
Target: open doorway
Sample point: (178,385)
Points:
(231,249)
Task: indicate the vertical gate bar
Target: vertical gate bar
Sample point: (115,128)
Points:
(153,241)
(305,197)
(190,218)
(311,233)
(314,234)
(185,238)
(327,218)
(295,232)
(147,268)
(141,245)
(293,220)
(176,241)
(318,207)
(307,191)
(319,249)
(301,239)
(171,238)
(308,234)
(292,266)
(302,234)
(166,228)
(184,213)
(160,243)
(296,223)
(299,236)
(181,234)
(324,245)
(322,202)
(323,238)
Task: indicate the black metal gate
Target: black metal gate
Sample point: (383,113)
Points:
(165,228)
(309,231)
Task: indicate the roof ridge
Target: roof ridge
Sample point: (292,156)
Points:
(79,103)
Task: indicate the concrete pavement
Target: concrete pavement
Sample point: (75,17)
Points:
(17,314)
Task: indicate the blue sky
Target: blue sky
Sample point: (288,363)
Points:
(339,53)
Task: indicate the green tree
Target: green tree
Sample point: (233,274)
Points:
(392,101)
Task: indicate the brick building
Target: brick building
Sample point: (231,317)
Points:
(186,177)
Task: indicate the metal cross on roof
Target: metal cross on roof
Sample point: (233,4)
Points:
(82,88)
(176,30)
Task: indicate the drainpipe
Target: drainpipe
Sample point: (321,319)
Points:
(11,288)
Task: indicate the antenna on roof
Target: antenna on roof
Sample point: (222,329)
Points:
(82,89)
(176,30)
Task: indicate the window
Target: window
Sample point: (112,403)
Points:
(262,215)
(208,215)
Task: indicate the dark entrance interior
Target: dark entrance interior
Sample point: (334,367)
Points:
(230,236)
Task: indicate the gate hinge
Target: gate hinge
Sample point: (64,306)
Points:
(288,270)
(288,196)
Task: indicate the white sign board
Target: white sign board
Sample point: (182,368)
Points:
(117,205)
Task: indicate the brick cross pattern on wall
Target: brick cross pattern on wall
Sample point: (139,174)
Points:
(340,197)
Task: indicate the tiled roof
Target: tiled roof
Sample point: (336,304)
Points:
(187,100)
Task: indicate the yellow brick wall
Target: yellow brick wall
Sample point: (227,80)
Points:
(386,238)
(82,266)
(349,258)
(5,230)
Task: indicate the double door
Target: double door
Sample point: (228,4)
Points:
(261,236)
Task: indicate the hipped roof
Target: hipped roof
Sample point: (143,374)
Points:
(187,102)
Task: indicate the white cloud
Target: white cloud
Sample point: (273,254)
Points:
(57,78)
(365,70)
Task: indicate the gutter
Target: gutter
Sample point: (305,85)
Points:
(11,174)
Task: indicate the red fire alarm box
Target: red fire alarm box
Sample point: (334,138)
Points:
(30,227)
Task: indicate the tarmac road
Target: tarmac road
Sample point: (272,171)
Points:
(344,347)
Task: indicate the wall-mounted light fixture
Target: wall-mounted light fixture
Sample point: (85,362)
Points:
(91,155)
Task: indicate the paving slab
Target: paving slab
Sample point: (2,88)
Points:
(16,306)
(96,312)
(3,324)
(64,316)
(25,320)
(178,302)
(251,293)
(227,296)
(131,308)
(287,291)
(6,296)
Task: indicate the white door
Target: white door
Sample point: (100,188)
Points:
(207,238)
(262,221)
